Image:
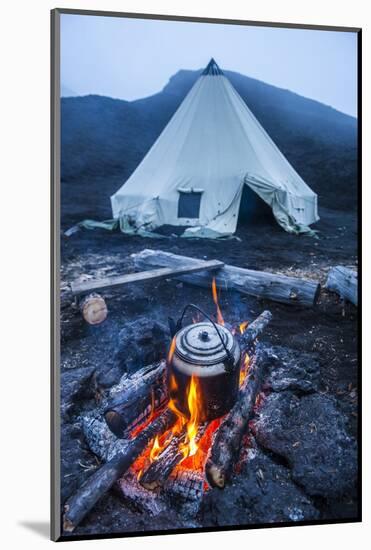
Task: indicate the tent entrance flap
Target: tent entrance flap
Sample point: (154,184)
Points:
(253,209)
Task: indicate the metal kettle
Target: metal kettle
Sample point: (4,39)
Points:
(210,353)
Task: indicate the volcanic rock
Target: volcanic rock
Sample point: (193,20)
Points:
(292,370)
(76,385)
(77,462)
(141,342)
(262,492)
(309,433)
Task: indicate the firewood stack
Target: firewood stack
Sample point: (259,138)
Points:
(137,412)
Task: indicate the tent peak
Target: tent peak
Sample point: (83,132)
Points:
(212,68)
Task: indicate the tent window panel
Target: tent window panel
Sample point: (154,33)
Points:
(189,205)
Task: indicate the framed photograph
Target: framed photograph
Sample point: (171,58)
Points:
(206,299)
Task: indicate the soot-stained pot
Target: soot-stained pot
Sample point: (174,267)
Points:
(200,352)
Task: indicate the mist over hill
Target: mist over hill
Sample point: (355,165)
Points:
(104,139)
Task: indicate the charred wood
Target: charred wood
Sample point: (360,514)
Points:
(130,490)
(80,504)
(227,440)
(187,485)
(158,472)
(254,330)
(141,394)
(105,446)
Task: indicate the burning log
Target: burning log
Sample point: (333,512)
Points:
(343,281)
(270,286)
(141,395)
(254,329)
(158,472)
(227,440)
(102,480)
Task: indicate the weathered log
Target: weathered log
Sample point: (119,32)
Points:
(343,281)
(158,472)
(270,286)
(142,394)
(227,440)
(102,480)
(254,330)
(84,287)
(94,309)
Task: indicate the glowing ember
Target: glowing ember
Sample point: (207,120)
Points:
(219,316)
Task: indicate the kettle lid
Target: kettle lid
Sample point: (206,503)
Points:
(201,344)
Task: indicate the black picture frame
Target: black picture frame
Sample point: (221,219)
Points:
(56,510)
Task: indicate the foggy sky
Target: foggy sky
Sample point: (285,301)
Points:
(133,58)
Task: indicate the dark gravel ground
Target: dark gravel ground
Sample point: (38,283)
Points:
(327,331)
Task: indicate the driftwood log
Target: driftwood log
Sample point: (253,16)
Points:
(158,472)
(270,286)
(227,440)
(142,394)
(343,281)
(80,504)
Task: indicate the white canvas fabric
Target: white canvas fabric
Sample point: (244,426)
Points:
(212,145)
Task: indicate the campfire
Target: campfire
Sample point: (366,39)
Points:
(183,449)
(180,424)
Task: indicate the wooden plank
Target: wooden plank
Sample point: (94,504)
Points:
(270,286)
(143,276)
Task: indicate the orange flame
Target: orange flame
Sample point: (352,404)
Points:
(155,449)
(243,326)
(219,315)
(190,446)
(171,350)
(244,368)
(188,424)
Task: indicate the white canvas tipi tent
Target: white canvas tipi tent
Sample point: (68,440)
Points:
(195,172)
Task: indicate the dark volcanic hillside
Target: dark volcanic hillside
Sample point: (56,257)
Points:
(104,139)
